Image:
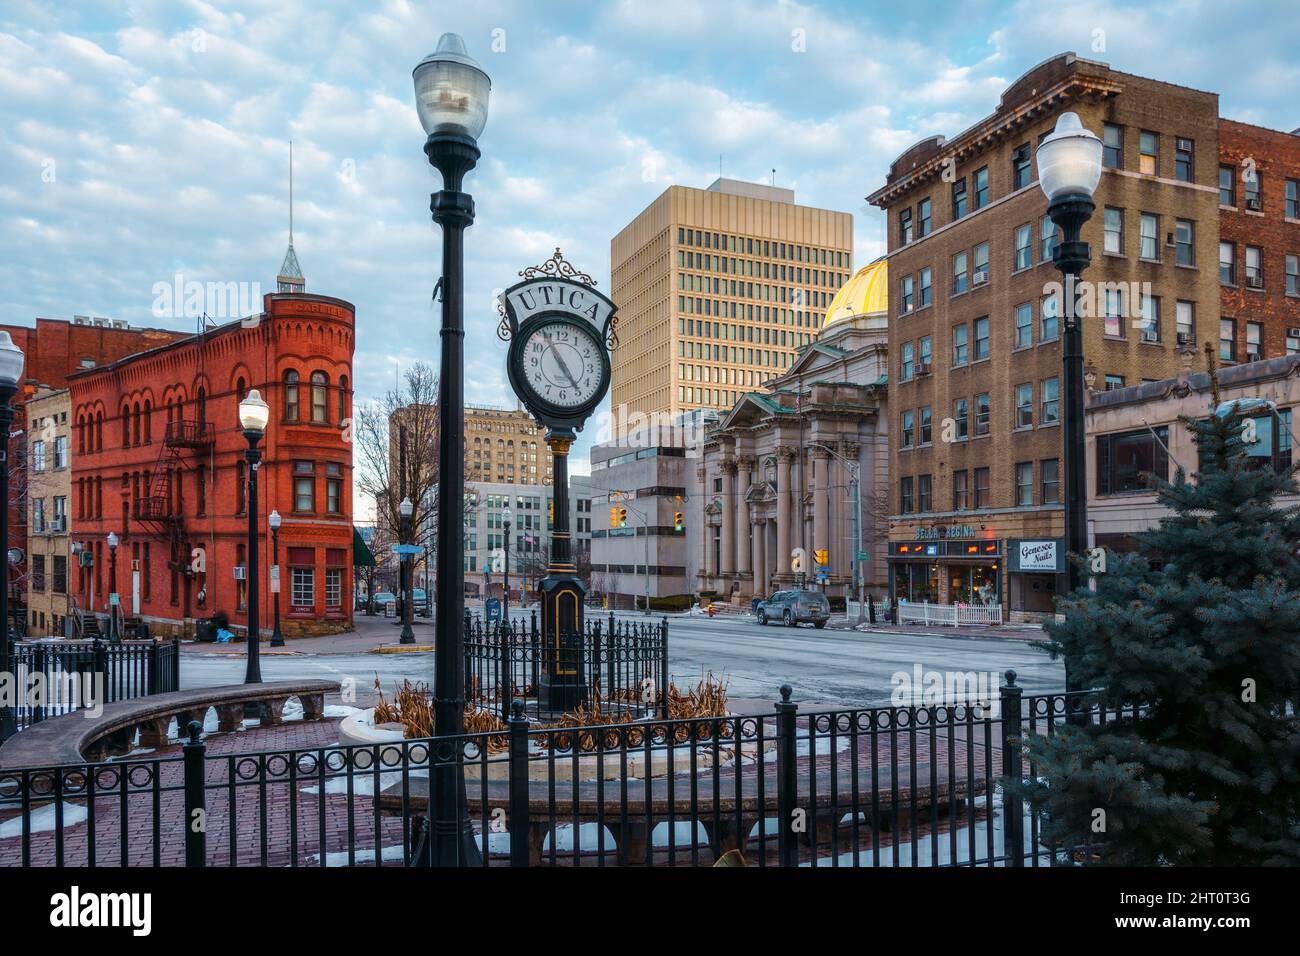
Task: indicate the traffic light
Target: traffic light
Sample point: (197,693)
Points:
(622,517)
(552,511)
(677,521)
(613,517)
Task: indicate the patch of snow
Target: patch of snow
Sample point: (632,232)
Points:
(391,854)
(340,710)
(44,820)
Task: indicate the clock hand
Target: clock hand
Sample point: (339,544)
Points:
(563,367)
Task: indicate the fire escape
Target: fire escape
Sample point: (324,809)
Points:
(159,511)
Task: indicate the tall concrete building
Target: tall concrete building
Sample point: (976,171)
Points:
(502,445)
(717,289)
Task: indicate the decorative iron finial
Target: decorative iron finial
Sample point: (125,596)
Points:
(558,267)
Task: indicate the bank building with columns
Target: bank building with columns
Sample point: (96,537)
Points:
(777,473)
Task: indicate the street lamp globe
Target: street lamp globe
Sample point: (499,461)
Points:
(406,508)
(507,516)
(112,539)
(1069,159)
(254,413)
(451,90)
(273,520)
(11,361)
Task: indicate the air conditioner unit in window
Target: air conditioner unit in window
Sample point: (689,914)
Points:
(1252,356)
(241,573)
(55,526)
(1185,145)
(923,368)
(1254,203)
(980,277)
(1293,333)
(1255,282)
(1185,338)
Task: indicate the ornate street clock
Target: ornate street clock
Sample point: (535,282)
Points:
(560,331)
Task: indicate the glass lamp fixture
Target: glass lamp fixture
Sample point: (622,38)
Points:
(11,361)
(1069,159)
(254,413)
(273,520)
(406,508)
(112,539)
(451,90)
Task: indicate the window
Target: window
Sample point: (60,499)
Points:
(1049,471)
(1048,232)
(1185,317)
(38,456)
(304,486)
(959,198)
(906,362)
(304,587)
(38,572)
(1024,246)
(1051,401)
(1228,263)
(981,272)
(907,430)
(924,497)
(1228,340)
(1227,186)
(1185,242)
(923,218)
(1149,245)
(60,574)
(1024,484)
(1051,318)
(1293,199)
(291,396)
(926,426)
(1114,231)
(1148,153)
(1021,172)
(1024,325)
(320,397)
(959,273)
(1254,190)
(959,356)
(61,451)
(334,488)
(1113,382)
(959,415)
(1254,341)
(927,280)
(905,227)
(960,491)
(333,587)
(906,295)
(981,338)
(1113,312)
(905,496)
(1150,318)
(1126,461)
(981,188)
(1112,152)
(1183,160)
(241,487)
(1254,267)
(1292,344)
(1025,405)
(981,487)
(982,413)
(925,352)
(343,398)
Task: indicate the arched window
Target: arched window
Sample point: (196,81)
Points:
(126,426)
(319,397)
(203,404)
(99,431)
(148,421)
(343,398)
(291,396)
(81,434)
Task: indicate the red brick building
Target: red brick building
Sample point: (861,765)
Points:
(1259,242)
(158,458)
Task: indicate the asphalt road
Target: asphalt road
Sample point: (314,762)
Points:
(827,667)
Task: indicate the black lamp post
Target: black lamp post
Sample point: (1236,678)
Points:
(11,370)
(273,522)
(113,635)
(408,571)
(253,416)
(1069,168)
(451,96)
(507,520)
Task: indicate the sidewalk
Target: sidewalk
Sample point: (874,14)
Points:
(1005,632)
(370,633)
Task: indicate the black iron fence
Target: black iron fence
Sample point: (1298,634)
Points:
(58,677)
(621,665)
(892,786)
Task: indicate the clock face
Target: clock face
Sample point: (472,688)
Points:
(562,364)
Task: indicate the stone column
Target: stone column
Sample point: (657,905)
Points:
(705,531)
(821,504)
(728,518)
(759,542)
(743,549)
(784,520)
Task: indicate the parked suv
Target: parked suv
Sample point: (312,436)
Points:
(795,607)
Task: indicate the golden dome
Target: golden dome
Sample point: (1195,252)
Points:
(865,293)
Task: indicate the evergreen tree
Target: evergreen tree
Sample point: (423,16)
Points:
(1195,641)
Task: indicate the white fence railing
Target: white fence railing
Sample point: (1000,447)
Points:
(953,615)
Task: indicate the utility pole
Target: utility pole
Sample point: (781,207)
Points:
(855,482)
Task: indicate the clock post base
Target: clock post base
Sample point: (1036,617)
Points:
(563,682)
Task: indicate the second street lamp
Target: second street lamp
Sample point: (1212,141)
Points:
(11,371)
(407,571)
(273,522)
(253,416)
(1069,168)
(113,634)
(507,517)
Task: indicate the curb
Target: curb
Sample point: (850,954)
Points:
(401,649)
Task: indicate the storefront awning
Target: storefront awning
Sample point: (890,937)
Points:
(361,556)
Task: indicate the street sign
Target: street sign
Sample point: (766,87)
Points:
(407,549)
(275,579)
(864,556)
(492,610)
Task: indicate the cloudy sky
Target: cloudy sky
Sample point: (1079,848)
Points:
(140,139)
